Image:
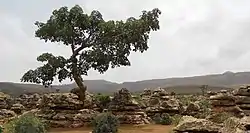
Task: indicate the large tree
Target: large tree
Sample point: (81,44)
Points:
(95,44)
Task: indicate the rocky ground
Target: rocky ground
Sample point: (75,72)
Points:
(123,129)
(220,112)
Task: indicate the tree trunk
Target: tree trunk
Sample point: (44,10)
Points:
(82,88)
(79,81)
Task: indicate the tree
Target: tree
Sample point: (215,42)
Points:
(95,44)
(203,89)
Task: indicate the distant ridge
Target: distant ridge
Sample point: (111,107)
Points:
(215,82)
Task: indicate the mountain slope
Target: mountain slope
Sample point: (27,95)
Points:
(179,85)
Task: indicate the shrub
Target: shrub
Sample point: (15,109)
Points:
(26,124)
(176,119)
(102,101)
(220,117)
(205,106)
(163,119)
(187,99)
(105,123)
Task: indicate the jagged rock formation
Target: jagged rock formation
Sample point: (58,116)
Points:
(5,105)
(66,110)
(225,102)
(243,99)
(159,101)
(127,109)
(189,124)
(192,109)
(29,101)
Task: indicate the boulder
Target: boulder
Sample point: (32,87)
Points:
(189,124)
(29,101)
(17,108)
(127,109)
(65,110)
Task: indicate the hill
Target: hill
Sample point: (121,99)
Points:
(179,85)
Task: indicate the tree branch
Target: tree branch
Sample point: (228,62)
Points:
(76,52)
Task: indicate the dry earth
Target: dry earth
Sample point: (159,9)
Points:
(123,129)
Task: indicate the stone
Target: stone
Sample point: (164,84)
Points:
(161,102)
(17,108)
(6,115)
(192,109)
(232,125)
(29,101)
(190,124)
(127,109)
(242,96)
(65,110)
(5,101)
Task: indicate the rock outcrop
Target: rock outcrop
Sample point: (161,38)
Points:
(243,99)
(189,124)
(127,109)
(29,101)
(225,102)
(5,104)
(66,110)
(159,101)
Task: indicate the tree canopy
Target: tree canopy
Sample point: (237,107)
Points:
(95,43)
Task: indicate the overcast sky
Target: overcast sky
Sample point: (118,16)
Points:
(196,37)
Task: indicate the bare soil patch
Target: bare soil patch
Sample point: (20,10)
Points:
(123,129)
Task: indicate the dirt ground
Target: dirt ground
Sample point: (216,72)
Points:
(123,129)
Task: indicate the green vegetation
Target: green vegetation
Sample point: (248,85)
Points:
(205,107)
(102,101)
(176,119)
(105,123)
(187,99)
(163,119)
(95,44)
(26,124)
(220,117)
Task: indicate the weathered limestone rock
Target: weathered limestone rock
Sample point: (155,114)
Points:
(66,110)
(5,115)
(127,109)
(225,102)
(236,125)
(5,104)
(17,108)
(5,101)
(243,99)
(190,124)
(192,109)
(29,101)
(160,102)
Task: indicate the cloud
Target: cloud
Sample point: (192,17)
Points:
(196,37)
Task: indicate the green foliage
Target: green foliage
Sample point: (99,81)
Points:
(205,107)
(94,42)
(102,101)
(26,124)
(186,99)
(105,123)
(176,119)
(163,119)
(220,117)
(1,129)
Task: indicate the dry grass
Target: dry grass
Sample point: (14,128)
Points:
(123,129)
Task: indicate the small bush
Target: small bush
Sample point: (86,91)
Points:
(105,123)
(187,99)
(176,119)
(205,106)
(102,101)
(220,117)
(26,124)
(163,119)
